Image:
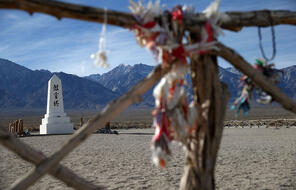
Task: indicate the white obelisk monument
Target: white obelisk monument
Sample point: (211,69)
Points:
(55,120)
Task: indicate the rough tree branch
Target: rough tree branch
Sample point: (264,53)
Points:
(69,10)
(235,21)
(98,121)
(232,21)
(210,96)
(261,18)
(31,155)
(242,65)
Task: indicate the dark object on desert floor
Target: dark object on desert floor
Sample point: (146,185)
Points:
(107,130)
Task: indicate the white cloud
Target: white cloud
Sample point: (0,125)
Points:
(42,42)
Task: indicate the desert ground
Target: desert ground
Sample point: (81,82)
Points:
(249,158)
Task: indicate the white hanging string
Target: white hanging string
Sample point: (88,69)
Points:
(100,58)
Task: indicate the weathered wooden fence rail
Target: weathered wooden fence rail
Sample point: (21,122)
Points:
(209,94)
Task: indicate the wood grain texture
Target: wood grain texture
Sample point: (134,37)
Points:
(29,154)
(98,121)
(69,10)
(231,20)
(209,94)
(259,79)
(211,99)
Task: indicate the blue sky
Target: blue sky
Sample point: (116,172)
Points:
(43,42)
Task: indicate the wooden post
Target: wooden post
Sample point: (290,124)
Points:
(16,126)
(9,127)
(21,127)
(81,122)
(211,99)
(107,126)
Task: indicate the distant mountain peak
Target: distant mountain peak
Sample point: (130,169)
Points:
(11,68)
(8,63)
(94,91)
(124,65)
(233,70)
(21,87)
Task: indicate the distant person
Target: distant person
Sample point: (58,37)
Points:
(242,103)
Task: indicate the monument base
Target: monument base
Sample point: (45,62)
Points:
(56,124)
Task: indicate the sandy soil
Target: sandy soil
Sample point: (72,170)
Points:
(249,158)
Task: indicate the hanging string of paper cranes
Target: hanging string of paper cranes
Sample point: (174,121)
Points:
(263,66)
(243,101)
(100,58)
(162,32)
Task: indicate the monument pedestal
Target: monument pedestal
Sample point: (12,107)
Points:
(56,124)
(55,120)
